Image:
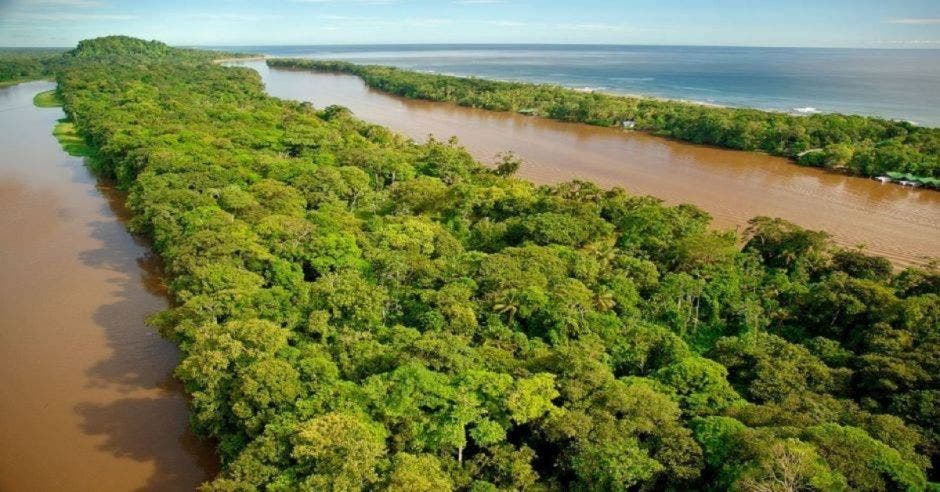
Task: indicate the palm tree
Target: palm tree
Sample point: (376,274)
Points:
(604,301)
(604,251)
(508,304)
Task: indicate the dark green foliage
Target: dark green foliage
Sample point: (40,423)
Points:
(858,144)
(358,311)
(23,64)
(125,49)
(19,65)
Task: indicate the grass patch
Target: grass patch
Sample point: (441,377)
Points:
(71,141)
(47,99)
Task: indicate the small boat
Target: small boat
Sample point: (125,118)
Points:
(912,184)
(883,179)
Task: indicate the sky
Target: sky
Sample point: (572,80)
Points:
(814,23)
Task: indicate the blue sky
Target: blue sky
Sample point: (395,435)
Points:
(831,23)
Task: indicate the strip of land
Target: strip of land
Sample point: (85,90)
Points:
(895,150)
(356,310)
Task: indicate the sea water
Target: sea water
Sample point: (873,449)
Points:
(899,84)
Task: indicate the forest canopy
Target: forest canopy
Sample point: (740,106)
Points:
(25,64)
(857,144)
(358,311)
(20,65)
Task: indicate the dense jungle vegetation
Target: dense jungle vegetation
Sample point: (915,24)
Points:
(359,311)
(24,64)
(20,65)
(857,144)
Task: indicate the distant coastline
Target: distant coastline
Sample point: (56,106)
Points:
(859,145)
(583,89)
(893,84)
(248,57)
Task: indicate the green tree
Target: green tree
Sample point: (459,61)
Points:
(339,451)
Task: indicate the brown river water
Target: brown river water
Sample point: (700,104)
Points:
(87,400)
(899,223)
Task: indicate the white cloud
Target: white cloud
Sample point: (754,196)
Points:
(593,26)
(380,22)
(508,23)
(364,2)
(569,26)
(66,17)
(915,42)
(917,21)
(66,3)
(233,17)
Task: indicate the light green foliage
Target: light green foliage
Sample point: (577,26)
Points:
(701,385)
(532,398)
(47,99)
(616,465)
(866,463)
(356,311)
(748,459)
(789,464)
(718,437)
(71,141)
(340,451)
(420,473)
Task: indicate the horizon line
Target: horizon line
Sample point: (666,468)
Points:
(902,47)
(275,45)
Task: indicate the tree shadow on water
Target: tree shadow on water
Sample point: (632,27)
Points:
(142,429)
(147,420)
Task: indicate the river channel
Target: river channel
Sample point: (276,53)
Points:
(899,223)
(88,401)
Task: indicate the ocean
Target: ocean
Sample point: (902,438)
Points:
(891,83)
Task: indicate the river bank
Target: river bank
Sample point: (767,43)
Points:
(850,144)
(900,223)
(89,401)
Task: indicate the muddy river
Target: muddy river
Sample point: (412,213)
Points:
(902,224)
(87,400)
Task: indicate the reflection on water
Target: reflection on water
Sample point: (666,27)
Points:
(87,400)
(899,223)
